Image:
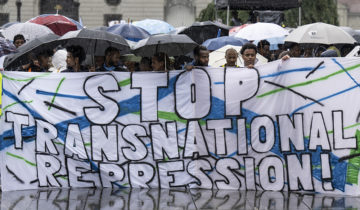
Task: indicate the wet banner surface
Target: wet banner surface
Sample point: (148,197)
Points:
(285,126)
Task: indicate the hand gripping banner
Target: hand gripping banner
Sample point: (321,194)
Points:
(285,126)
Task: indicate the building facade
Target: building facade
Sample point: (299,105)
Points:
(95,13)
(349,13)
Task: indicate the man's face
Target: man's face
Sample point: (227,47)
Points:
(203,58)
(231,57)
(99,61)
(114,59)
(157,65)
(249,57)
(19,42)
(45,61)
(70,60)
(295,51)
(265,51)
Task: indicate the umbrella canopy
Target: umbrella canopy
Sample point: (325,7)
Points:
(260,31)
(94,42)
(59,24)
(216,43)
(101,28)
(202,31)
(236,29)
(6,25)
(171,44)
(29,30)
(154,26)
(273,42)
(129,31)
(25,51)
(217,57)
(6,47)
(320,33)
(355,34)
(178,30)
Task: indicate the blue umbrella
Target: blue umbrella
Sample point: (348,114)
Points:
(217,43)
(129,31)
(273,42)
(155,26)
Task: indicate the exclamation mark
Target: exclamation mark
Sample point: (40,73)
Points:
(326,172)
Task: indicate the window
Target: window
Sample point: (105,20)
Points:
(110,17)
(113,2)
(4,18)
(68,8)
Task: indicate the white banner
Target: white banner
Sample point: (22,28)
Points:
(288,126)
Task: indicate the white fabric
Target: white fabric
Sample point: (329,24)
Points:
(292,126)
(260,31)
(320,33)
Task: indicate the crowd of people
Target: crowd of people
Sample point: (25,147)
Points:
(113,60)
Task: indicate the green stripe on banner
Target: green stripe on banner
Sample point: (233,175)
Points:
(347,127)
(353,167)
(21,158)
(309,82)
(28,79)
(33,164)
(124,82)
(57,90)
(12,104)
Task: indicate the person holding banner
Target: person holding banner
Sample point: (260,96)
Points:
(160,62)
(40,62)
(112,60)
(248,54)
(231,56)
(201,55)
(75,56)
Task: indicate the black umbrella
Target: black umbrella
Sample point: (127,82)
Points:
(29,49)
(171,44)
(202,31)
(101,28)
(95,42)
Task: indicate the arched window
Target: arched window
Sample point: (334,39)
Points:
(68,8)
(179,12)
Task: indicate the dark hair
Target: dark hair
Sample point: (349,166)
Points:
(77,52)
(226,52)
(198,48)
(110,50)
(161,58)
(19,36)
(293,44)
(248,46)
(146,61)
(47,53)
(262,43)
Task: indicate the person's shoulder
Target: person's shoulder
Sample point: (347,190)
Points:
(100,69)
